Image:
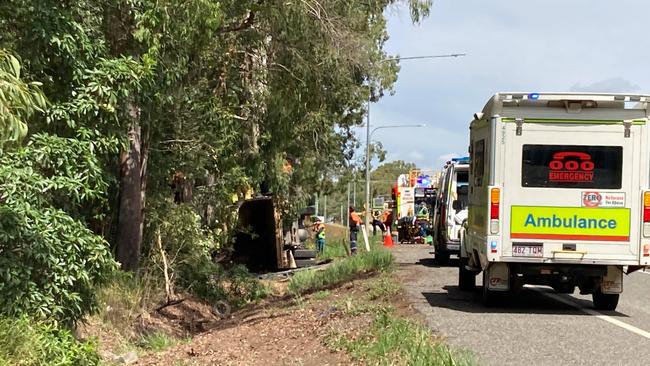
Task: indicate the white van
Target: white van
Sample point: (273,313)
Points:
(558,194)
(451,209)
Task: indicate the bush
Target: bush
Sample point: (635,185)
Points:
(212,282)
(27,343)
(50,262)
(189,246)
(341,271)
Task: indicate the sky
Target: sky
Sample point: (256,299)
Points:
(550,45)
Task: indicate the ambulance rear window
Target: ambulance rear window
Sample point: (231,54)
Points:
(572,166)
(462,176)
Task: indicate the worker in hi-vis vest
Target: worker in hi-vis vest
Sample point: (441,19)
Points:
(355,222)
(319,228)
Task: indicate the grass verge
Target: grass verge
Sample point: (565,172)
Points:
(341,271)
(393,340)
(30,343)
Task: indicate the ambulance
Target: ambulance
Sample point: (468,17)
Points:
(451,209)
(559,194)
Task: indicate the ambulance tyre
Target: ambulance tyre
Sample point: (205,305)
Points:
(466,279)
(605,301)
(488,298)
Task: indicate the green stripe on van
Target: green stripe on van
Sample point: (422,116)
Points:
(576,121)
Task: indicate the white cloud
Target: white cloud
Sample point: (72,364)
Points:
(613,85)
(446,157)
(416,155)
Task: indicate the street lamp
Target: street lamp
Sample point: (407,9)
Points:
(368,139)
(368,133)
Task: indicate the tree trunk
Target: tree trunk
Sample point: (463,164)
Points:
(131,215)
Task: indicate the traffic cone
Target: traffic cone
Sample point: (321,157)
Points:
(388,239)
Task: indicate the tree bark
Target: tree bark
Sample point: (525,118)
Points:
(131,214)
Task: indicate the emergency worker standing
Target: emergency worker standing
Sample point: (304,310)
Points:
(355,222)
(319,228)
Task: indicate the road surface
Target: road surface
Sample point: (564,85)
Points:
(537,327)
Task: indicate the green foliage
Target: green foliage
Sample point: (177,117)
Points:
(392,340)
(29,343)
(18,100)
(341,271)
(212,283)
(50,261)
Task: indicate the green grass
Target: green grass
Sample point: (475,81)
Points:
(383,287)
(156,342)
(29,343)
(392,340)
(321,295)
(335,249)
(341,271)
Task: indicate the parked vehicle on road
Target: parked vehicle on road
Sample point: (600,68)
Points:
(451,209)
(559,194)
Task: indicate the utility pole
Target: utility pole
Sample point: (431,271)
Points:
(368,131)
(347,221)
(316,204)
(325,209)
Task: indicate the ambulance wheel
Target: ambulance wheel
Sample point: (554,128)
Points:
(488,298)
(466,279)
(605,301)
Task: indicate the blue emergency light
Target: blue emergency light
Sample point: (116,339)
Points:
(464,159)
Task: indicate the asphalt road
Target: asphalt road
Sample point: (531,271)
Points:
(536,327)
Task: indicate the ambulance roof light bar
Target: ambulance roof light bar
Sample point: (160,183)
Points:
(535,96)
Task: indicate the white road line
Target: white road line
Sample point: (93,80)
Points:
(597,314)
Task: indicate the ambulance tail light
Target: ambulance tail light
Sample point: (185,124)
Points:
(495,200)
(646,214)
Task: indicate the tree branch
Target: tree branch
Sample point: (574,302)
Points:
(247,23)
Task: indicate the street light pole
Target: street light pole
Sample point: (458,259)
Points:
(368,133)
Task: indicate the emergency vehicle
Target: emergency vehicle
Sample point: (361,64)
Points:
(451,209)
(559,194)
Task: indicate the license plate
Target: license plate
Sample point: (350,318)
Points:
(527,250)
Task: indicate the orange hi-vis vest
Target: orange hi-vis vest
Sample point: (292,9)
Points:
(355,218)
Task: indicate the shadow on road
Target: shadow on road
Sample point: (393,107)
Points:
(527,301)
(431,262)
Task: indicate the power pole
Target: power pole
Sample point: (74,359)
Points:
(347,221)
(325,209)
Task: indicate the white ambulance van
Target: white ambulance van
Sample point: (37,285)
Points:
(559,194)
(451,209)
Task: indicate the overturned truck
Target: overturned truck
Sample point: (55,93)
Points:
(264,243)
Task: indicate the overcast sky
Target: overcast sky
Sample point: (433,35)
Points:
(550,45)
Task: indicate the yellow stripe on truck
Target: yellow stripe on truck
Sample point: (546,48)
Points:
(570,223)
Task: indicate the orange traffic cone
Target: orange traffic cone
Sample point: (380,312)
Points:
(388,239)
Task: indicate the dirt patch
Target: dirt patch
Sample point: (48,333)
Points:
(283,331)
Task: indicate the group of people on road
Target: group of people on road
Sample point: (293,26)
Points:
(380,219)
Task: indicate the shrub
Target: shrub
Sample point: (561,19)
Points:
(189,246)
(50,262)
(29,343)
(212,282)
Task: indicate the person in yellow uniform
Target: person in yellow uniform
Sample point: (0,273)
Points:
(319,229)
